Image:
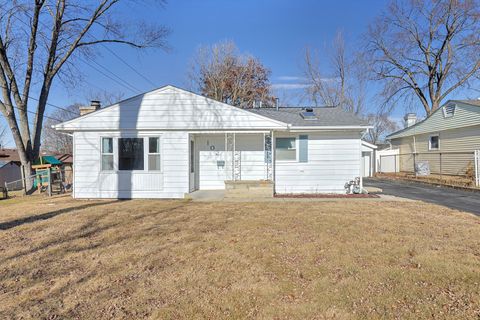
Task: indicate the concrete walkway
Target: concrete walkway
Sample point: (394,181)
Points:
(219,195)
(462,200)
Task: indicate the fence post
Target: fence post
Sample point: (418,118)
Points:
(395,163)
(49,174)
(476,160)
(441,163)
(414,164)
(5,193)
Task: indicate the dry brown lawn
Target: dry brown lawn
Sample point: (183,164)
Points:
(67,259)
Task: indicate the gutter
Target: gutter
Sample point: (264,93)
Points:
(290,127)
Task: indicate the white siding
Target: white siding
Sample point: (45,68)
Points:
(170,108)
(333,160)
(91,182)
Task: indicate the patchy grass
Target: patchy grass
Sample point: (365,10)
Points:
(66,259)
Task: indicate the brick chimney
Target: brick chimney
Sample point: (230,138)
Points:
(410,119)
(94,106)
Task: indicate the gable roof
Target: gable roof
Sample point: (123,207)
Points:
(172,108)
(325,117)
(467,114)
(169,108)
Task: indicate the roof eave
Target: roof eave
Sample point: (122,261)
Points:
(354,127)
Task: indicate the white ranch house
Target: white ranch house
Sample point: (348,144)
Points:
(169,142)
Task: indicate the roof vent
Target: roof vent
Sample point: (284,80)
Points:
(449,110)
(308,114)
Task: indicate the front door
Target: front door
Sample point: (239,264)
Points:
(192,164)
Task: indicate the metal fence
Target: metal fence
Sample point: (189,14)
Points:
(43,181)
(442,163)
(477,167)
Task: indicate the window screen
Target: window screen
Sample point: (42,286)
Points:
(107,153)
(130,154)
(285,149)
(154,153)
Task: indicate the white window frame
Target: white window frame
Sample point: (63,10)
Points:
(159,153)
(107,154)
(296,148)
(430,142)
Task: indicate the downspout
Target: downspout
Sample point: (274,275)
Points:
(364,133)
(414,140)
(274,160)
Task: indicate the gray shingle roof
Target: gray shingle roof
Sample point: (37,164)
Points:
(472,102)
(326,116)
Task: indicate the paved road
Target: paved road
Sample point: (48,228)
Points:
(456,199)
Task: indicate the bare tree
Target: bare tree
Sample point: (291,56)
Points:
(220,72)
(3,135)
(343,84)
(53,141)
(425,49)
(39,41)
(105,97)
(382,126)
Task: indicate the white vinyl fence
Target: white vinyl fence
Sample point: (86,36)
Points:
(387,161)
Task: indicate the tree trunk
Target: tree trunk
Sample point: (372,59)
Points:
(435,106)
(27,167)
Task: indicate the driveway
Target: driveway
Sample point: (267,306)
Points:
(456,199)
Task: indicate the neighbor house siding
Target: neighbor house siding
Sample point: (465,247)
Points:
(456,149)
(91,182)
(465,116)
(333,160)
(10,172)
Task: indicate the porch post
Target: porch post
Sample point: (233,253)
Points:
(237,157)
(272,135)
(268,155)
(233,156)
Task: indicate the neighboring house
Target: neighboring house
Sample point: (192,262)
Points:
(446,139)
(168,142)
(10,168)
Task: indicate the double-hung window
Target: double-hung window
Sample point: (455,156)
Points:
(154,154)
(286,149)
(130,154)
(107,154)
(434,143)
